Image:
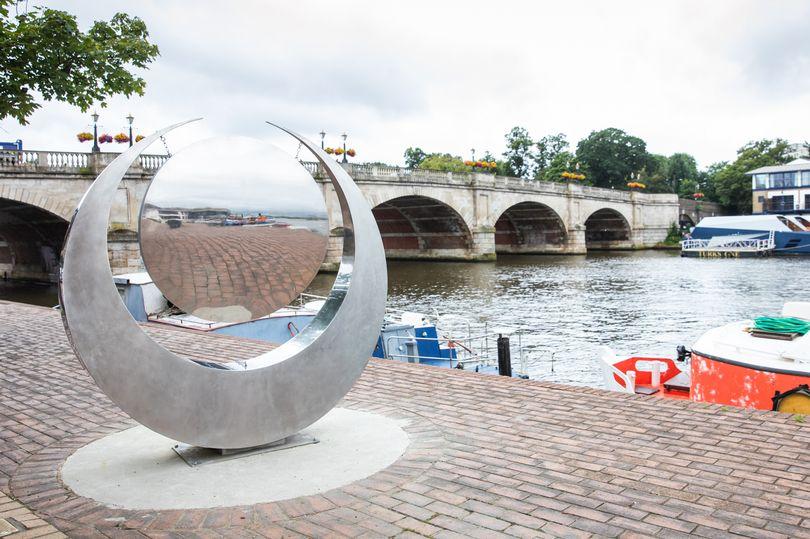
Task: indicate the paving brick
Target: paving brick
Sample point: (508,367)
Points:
(634,525)
(748,531)
(447,509)
(526,459)
(599,529)
(671,523)
(559,530)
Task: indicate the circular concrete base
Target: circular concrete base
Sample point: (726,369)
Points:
(137,468)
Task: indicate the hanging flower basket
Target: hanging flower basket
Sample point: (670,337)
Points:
(698,196)
(636,185)
(330,151)
(488,166)
(573,175)
(104,138)
(351,152)
(84,137)
(121,138)
(338,151)
(139,138)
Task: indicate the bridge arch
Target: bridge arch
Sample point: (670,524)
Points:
(417,226)
(31,239)
(529,227)
(33,198)
(607,228)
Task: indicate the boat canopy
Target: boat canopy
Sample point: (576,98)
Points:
(766,223)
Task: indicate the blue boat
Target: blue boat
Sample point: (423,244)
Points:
(750,235)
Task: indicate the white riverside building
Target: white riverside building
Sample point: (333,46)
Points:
(781,188)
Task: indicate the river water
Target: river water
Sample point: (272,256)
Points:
(568,306)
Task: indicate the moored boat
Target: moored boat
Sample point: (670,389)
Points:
(749,235)
(738,364)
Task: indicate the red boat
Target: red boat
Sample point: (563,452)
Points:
(735,364)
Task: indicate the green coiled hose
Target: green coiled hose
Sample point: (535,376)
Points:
(782,325)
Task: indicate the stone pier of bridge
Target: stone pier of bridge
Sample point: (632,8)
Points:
(421,214)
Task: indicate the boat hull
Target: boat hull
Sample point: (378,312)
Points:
(722,381)
(786,243)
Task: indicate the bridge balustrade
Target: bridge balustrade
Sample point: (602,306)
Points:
(71,162)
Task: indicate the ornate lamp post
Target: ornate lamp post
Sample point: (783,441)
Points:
(96,149)
(343,136)
(130,118)
(323,135)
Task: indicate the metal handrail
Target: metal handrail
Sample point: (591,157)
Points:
(747,244)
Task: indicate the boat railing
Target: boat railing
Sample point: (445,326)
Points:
(731,243)
(469,350)
(689,245)
(481,341)
(465,353)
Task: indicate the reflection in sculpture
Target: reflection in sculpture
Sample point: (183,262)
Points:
(226,406)
(233,229)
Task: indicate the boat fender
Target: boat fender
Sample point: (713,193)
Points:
(793,401)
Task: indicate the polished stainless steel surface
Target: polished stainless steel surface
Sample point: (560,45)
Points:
(244,404)
(232,229)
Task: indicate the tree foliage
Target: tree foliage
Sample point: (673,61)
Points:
(680,167)
(546,150)
(654,173)
(731,183)
(443,162)
(611,155)
(414,157)
(608,158)
(705,181)
(518,157)
(563,161)
(44,52)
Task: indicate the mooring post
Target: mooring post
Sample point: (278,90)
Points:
(504,356)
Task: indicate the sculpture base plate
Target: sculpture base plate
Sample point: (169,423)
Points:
(198,456)
(138,469)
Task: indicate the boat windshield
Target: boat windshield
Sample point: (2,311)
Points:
(804,222)
(790,224)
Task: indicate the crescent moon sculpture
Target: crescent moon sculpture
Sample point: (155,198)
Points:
(238,405)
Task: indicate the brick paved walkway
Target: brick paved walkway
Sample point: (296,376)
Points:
(489,457)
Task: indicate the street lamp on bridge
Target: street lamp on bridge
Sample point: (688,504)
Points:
(96,149)
(130,118)
(343,136)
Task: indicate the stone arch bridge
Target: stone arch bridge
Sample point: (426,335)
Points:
(421,214)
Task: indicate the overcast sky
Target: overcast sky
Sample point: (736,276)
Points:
(702,77)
